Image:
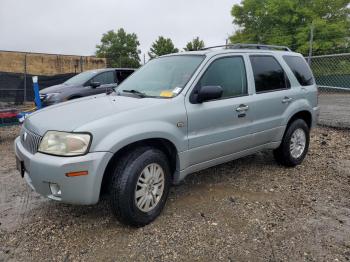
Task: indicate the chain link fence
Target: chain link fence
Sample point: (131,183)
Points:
(17,88)
(332,72)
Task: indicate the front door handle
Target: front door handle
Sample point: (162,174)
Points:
(242,108)
(287,99)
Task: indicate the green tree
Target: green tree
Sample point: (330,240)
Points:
(162,46)
(289,22)
(194,45)
(119,48)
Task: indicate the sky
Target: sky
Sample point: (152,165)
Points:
(76,26)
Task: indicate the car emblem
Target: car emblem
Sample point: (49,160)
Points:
(25,136)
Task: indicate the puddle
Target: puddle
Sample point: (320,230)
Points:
(196,195)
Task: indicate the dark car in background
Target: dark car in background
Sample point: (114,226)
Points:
(87,83)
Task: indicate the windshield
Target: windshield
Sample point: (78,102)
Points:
(162,77)
(81,78)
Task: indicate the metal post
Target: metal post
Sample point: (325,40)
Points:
(25,79)
(311,42)
(36,92)
(81,64)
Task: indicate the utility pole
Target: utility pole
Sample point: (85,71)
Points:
(311,42)
(144,58)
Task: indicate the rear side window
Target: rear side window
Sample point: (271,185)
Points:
(300,69)
(268,74)
(123,74)
(229,73)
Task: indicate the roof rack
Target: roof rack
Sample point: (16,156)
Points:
(251,46)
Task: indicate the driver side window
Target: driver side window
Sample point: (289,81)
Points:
(104,78)
(229,73)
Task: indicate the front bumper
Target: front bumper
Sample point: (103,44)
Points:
(42,169)
(315,116)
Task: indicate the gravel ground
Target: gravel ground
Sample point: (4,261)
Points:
(335,109)
(246,210)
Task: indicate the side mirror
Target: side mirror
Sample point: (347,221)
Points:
(207,93)
(95,84)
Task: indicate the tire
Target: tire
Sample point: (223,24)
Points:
(130,171)
(284,154)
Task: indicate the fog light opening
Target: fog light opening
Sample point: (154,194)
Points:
(55,189)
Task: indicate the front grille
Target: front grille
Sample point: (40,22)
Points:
(30,140)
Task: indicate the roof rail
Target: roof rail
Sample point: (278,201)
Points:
(251,46)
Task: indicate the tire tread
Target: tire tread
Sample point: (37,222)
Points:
(119,200)
(282,153)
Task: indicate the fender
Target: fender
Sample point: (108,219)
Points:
(296,107)
(129,134)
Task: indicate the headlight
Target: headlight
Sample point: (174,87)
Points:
(65,144)
(52,96)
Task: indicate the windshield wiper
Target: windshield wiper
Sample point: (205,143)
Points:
(133,91)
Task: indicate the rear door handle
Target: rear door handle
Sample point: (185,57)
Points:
(242,108)
(287,99)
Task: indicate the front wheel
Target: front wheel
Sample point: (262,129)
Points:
(140,186)
(294,145)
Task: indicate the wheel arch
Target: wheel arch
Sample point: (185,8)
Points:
(162,144)
(304,115)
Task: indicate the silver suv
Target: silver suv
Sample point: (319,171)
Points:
(178,114)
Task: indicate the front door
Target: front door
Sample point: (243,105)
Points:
(220,127)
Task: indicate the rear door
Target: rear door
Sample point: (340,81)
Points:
(220,127)
(273,95)
(304,78)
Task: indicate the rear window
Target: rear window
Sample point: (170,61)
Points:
(300,69)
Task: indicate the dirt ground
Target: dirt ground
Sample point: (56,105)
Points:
(246,210)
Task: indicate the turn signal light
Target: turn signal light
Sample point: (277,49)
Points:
(78,173)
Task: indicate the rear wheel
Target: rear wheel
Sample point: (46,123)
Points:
(294,145)
(140,186)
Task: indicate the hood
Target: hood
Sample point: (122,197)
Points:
(56,89)
(70,115)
